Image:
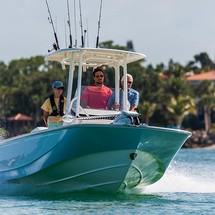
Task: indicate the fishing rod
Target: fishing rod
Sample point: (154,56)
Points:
(81,25)
(99,25)
(69,24)
(75,19)
(55,46)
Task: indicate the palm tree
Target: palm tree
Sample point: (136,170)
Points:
(179,107)
(206,94)
(205,61)
(147,110)
(200,64)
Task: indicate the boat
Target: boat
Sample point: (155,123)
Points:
(99,150)
(108,151)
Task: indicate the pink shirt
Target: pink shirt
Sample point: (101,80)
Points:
(95,97)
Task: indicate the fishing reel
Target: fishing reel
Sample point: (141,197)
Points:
(54,48)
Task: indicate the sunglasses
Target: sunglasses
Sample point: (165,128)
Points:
(60,88)
(99,76)
(130,82)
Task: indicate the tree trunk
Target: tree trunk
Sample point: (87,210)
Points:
(178,123)
(147,120)
(207,118)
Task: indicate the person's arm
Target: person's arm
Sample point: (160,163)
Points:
(46,110)
(133,108)
(135,101)
(45,117)
(110,101)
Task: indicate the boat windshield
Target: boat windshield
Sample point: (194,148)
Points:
(93,101)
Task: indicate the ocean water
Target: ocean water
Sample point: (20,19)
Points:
(188,187)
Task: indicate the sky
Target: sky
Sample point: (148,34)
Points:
(160,29)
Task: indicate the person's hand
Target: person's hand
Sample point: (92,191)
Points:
(116,106)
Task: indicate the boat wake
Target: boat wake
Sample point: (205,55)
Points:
(184,180)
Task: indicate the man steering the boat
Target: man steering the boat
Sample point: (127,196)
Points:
(97,95)
(133,96)
(53,107)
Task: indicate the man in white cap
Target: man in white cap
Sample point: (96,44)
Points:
(53,107)
(133,96)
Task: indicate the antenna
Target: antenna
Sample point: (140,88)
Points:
(81,25)
(55,46)
(69,24)
(99,25)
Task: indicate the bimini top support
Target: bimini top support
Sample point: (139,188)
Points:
(92,57)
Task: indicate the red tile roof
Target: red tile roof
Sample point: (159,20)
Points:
(203,76)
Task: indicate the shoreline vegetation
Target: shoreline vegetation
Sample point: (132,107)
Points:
(200,139)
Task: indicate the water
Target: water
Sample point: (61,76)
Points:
(188,187)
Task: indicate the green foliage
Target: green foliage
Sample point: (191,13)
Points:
(206,99)
(109,45)
(180,107)
(25,84)
(147,110)
(200,64)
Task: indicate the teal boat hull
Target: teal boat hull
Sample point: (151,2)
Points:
(104,158)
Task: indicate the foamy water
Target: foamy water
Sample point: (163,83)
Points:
(174,181)
(187,173)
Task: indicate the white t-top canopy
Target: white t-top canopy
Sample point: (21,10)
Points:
(95,57)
